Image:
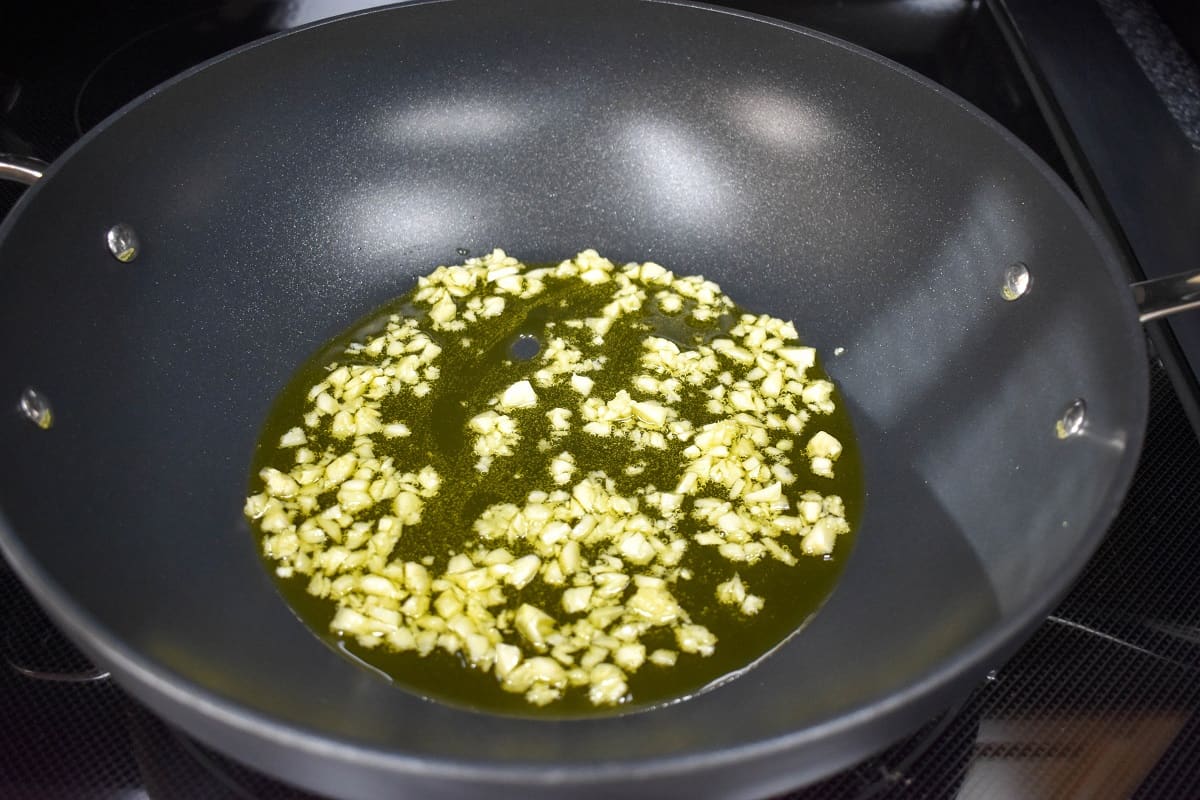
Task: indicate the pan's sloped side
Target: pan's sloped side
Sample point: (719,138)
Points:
(292,186)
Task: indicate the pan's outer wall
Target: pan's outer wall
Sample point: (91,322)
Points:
(291,187)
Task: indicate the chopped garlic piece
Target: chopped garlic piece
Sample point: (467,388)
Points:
(696,639)
(562,467)
(534,624)
(650,413)
(822,444)
(523,570)
(396,430)
(607,684)
(582,384)
(732,592)
(637,549)
(279,484)
(664,658)
(293,438)
(752,605)
(768,494)
(817,395)
(576,599)
(519,395)
(822,466)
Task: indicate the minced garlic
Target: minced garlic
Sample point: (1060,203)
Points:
(611,557)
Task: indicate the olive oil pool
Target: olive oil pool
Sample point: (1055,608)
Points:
(558,489)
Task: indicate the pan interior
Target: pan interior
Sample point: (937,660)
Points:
(316,176)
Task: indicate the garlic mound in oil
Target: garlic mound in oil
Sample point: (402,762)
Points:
(581,529)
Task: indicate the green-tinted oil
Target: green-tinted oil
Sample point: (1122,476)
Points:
(470,375)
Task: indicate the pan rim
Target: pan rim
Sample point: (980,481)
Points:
(145,678)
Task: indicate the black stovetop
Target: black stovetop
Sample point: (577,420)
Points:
(1101,702)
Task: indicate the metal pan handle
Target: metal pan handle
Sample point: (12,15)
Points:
(1170,295)
(21,169)
(23,660)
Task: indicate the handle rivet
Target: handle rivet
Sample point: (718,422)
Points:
(1016,281)
(36,408)
(122,242)
(1073,418)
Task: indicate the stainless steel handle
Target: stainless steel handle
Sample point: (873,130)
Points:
(93,675)
(21,169)
(1170,295)
(19,664)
